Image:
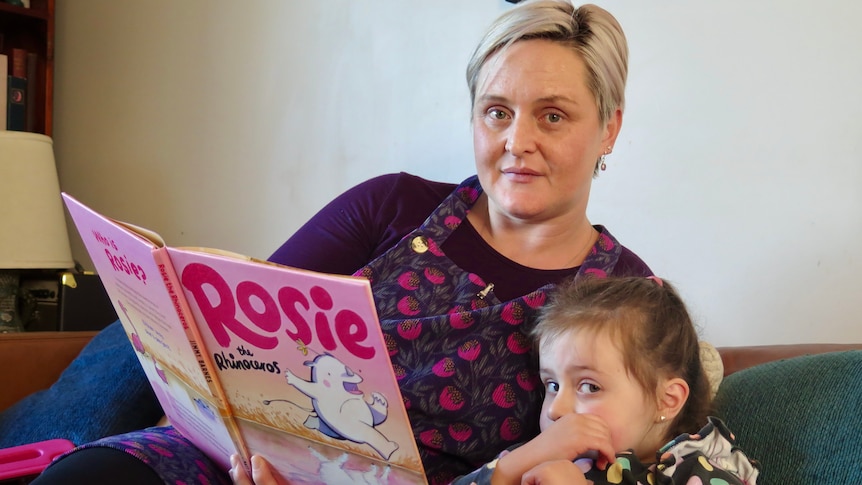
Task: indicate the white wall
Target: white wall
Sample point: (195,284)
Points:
(737,174)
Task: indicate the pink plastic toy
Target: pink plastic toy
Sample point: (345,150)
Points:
(26,460)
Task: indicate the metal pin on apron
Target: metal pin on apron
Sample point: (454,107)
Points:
(482,294)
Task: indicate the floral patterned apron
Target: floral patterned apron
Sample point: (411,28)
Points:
(465,365)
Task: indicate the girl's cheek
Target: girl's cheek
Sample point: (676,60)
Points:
(588,408)
(544,423)
(579,407)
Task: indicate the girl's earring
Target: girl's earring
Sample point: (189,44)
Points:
(662,418)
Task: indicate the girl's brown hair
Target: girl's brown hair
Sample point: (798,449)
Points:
(652,327)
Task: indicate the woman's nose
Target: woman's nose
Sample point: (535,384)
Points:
(521,137)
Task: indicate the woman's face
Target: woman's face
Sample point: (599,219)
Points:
(536,132)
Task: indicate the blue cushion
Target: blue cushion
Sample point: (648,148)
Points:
(801,417)
(103,392)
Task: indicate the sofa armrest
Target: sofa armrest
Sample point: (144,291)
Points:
(739,358)
(798,416)
(32,361)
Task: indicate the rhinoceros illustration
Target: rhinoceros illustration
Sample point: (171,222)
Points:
(340,408)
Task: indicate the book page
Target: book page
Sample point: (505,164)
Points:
(133,270)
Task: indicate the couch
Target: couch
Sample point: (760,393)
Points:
(37,359)
(795,408)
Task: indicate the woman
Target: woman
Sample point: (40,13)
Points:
(546,84)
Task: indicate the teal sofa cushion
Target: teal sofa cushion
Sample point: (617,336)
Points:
(801,418)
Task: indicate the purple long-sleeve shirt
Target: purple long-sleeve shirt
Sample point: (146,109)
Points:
(368,219)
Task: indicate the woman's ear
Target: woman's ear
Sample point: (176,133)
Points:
(612,129)
(672,397)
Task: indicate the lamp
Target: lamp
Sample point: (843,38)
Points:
(32,223)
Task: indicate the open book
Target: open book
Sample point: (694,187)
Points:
(252,357)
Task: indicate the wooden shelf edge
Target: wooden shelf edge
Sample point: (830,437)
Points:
(37,13)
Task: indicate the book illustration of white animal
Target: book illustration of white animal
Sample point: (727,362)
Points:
(340,408)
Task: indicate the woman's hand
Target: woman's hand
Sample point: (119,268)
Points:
(562,472)
(570,437)
(261,473)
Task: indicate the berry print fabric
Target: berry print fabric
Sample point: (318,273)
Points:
(467,372)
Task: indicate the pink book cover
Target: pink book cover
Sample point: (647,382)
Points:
(305,368)
(135,270)
(252,357)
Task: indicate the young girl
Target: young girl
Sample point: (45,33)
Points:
(619,360)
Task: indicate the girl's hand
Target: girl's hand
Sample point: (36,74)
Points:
(562,472)
(261,473)
(570,437)
(577,435)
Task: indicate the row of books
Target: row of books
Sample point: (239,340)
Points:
(18,72)
(18,3)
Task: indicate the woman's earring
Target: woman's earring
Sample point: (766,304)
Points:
(662,418)
(602,165)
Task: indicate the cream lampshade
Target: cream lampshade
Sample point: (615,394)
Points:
(32,223)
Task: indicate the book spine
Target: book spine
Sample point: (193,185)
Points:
(19,63)
(4,80)
(16,105)
(32,79)
(16,94)
(175,290)
(174,287)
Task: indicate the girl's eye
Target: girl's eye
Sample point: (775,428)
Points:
(552,387)
(588,388)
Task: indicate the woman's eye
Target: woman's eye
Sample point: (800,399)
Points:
(554,118)
(552,386)
(497,114)
(588,388)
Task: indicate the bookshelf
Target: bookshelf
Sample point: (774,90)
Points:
(32,29)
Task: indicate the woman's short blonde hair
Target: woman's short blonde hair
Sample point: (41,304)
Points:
(590,31)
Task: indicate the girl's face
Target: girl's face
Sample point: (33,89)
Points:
(583,372)
(536,131)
